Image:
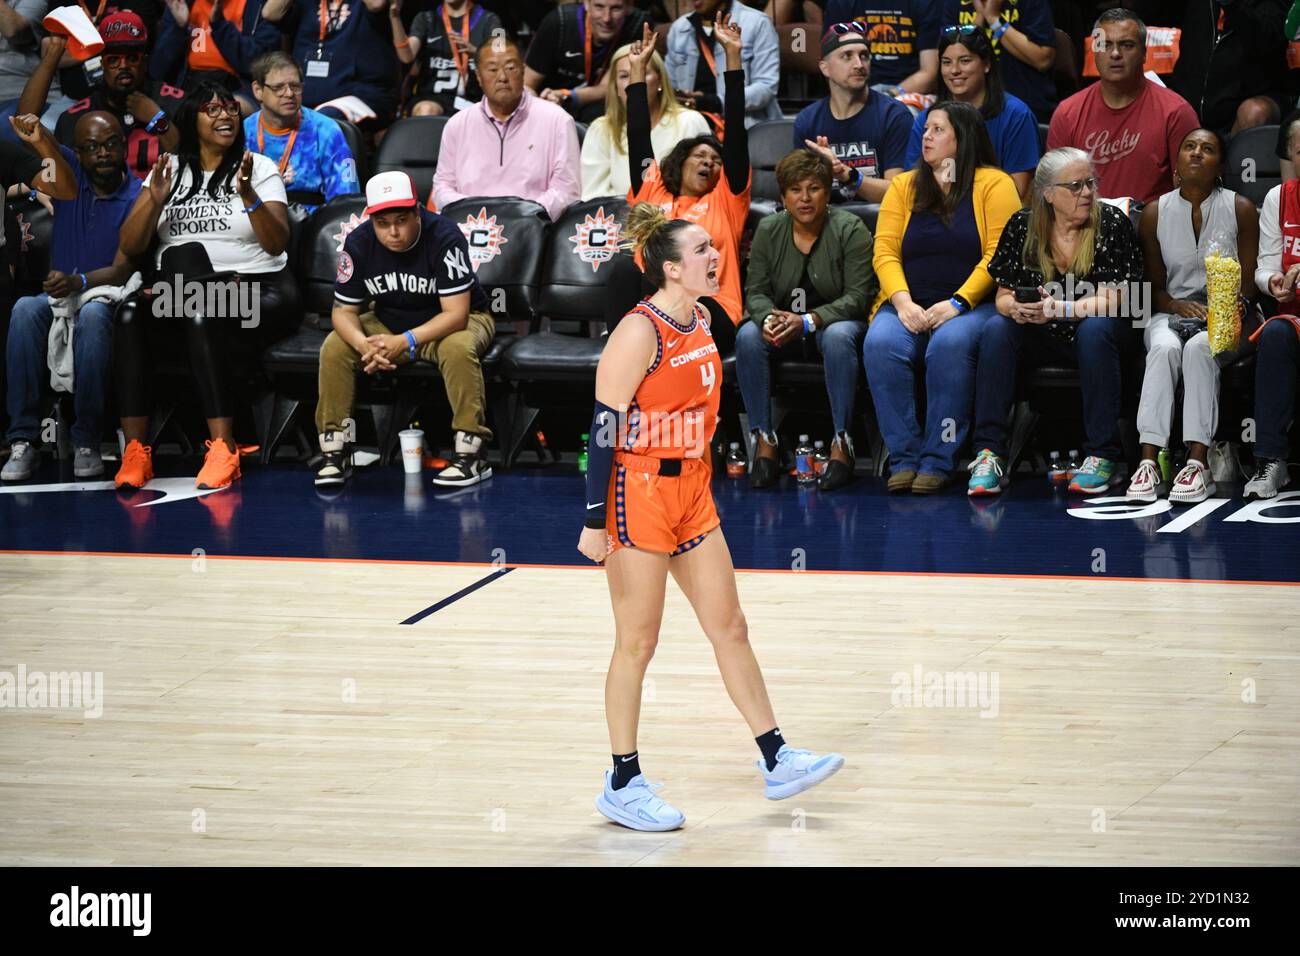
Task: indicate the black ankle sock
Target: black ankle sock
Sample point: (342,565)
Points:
(770,743)
(626,766)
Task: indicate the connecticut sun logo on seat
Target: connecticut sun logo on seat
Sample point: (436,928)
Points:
(597,238)
(345,228)
(484,235)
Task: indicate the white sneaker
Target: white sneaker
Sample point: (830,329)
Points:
(468,466)
(636,806)
(23,458)
(1194,483)
(796,771)
(1269,478)
(1147,485)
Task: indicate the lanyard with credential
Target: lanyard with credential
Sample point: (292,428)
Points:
(94,17)
(462,59)
(288,147)
(328,22)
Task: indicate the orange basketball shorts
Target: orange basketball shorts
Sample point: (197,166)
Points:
(669,514)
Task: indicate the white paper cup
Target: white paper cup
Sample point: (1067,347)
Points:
(412,440)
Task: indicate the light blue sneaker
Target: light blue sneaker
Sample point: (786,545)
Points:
(796,771)
(1095,475)
(986,475)
(636,806)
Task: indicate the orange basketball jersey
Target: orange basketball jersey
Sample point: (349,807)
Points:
(675,410)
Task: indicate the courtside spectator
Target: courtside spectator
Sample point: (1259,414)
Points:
(217,217)
(413,265)
(218,41)
(1278,360)
(807,290)
(345,49)
(902,35)
(93,192)
(1177,233)
(863,132)
(142,105)
(1075,259)
(309,148)
(701,180)
(569,58)
(938,227)
(1232,63)
(511,144)
(694,52)
(1130,126)
(969,72)
(604,150)
(1023,35)
(442,43)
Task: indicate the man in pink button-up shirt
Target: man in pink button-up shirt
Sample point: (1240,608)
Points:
(511,143)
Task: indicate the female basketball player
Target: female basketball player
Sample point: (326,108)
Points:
(657,396)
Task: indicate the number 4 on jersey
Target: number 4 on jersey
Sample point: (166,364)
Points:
(708,376)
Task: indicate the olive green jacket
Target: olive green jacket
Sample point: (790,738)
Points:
(840,268)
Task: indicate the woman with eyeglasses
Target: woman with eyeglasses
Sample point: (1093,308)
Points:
(937,228)
(1177,232)
(1065,268)
(969,73)
(216,216)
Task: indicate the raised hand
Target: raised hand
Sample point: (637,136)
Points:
(727,32)
(160,179)
(643,51)
(28,127)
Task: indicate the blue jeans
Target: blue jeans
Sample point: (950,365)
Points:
(1006,346)
(894,357)
(1275,382)
(28,368)
(840,344)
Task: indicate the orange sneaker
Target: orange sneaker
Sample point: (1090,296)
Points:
(137,466)
(220,466)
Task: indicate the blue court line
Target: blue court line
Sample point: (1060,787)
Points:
(433,608)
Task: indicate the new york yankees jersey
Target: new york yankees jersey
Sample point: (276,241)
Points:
(407,287)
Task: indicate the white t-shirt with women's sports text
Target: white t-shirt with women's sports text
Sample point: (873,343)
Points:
(221,225)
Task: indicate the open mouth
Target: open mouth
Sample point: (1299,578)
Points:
(713,275)
(224,128)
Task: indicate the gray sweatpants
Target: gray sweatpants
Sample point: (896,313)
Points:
(1167,358)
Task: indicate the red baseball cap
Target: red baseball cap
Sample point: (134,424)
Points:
(390,190)
(123,29)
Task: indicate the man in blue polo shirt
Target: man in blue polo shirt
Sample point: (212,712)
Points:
(84,255)
(405,289)
(863,133)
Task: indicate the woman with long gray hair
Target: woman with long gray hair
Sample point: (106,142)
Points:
(1064,268)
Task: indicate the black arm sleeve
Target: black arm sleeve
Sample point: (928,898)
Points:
(640,151)
(735,148)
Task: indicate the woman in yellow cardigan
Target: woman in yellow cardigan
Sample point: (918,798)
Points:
(938,227)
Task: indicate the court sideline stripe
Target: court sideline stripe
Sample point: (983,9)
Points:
(463,592)
(397,562)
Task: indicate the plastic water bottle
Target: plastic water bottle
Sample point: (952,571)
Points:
(1166,462)
(735,461)
(1056,470)
(804,468)
(1072,466)
(582,455)
(820,458)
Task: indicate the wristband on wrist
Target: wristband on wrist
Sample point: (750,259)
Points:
(411,343)
(84,281)
(998,27)
(249,209)
(855,179)
(1067,309)
(808,324)
(958,304)
(153,122)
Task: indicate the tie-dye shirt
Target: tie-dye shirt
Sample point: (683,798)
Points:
(321,161)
